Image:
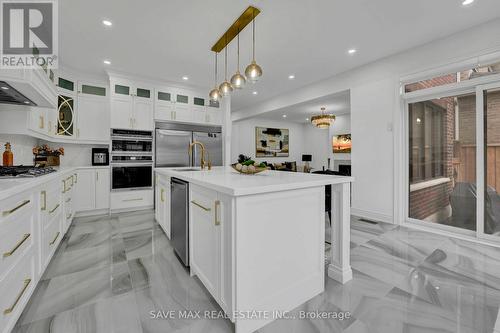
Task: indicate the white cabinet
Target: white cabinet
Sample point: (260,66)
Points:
(92,189)
(214,116)
(205,255)
(85,198)
(92,112)
(162,203)
(131,106)
(102,188)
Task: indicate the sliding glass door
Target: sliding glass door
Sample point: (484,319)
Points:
(453,159)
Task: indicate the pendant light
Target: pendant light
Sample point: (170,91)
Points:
(225,87)
(253,71)
(215,93)
(238,81)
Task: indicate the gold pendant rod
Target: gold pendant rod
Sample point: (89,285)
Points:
(241,22)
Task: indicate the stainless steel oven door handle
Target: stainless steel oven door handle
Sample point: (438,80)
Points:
(128,164)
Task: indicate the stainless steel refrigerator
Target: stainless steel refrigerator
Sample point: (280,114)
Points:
(172,143)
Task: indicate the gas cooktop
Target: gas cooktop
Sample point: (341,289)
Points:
(24,171)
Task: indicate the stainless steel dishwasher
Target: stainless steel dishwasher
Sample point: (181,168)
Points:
(179,216)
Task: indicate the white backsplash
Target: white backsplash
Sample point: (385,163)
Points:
(22,146)
(75,155)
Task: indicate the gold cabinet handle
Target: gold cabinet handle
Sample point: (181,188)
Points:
(68,200)
(44,194)
(161,195)
(68,216)
(41,125)
(202,207)
(8,212)
(64,185)
(55,238)
(76,178)
(217,208)
(54,209)
(26,284)
(11,252)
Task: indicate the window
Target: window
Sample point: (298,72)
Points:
(427,145)
(465,75)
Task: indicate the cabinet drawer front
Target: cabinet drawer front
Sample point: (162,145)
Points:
(15,206)
(16,237)
(203,199)
(131,199)
(50,204)
(16,289)
(51,238)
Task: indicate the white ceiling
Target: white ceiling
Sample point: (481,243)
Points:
(166,40)
(336,104)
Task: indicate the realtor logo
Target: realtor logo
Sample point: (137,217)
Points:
(29,34)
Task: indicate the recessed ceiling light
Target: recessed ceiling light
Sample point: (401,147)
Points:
(307,119)
(26,102)
(467,2)
(254,92)
(284,116)
(185,78)
(352,51)
(5,88)
(291,76)
(107,23)
(107,62)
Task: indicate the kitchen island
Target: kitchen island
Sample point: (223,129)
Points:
(257,242)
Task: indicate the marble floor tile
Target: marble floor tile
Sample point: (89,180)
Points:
(400,312)
(67,262)
(66,292)
(144,243)
(114,273)
(363,231)
(117,314)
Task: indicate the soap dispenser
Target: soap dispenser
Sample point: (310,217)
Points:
(8,156)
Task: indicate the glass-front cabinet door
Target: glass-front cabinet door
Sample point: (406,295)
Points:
(65,116)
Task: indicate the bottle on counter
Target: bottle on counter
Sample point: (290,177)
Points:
(8,156)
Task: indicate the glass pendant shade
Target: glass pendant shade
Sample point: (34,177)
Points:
(225,88)
(238,81)
(215,95)
(253,72)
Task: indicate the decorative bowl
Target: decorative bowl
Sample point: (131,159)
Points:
(257,170)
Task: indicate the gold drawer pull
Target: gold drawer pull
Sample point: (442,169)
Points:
(44,193)
(26,284)
(8,212)
(55,238)
(136,199)
(217,208)
(161,196)
(197,204)
(68,200)
(54,209)
(68,216)
(11,252)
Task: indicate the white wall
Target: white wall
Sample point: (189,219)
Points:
(243,139)
(316,143)
(22,146)
(342,125)
(75,155)
(376,112)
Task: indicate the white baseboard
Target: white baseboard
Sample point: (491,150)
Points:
(342,276)
(372,215)
(132,209)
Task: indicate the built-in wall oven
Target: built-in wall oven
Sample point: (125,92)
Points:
(131,160)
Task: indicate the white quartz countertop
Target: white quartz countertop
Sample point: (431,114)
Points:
(12,186)
(229,181)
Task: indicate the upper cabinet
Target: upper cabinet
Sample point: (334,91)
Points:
(184,106)
(80,104)
(131,106)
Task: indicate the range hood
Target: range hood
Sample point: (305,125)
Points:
(28,87)
(9,95)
